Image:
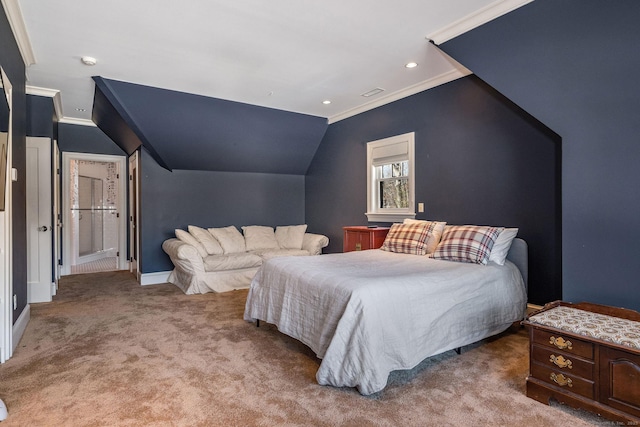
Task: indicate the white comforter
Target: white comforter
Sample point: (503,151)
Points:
(368,313)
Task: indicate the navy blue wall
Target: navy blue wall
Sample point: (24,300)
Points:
(11,62)
(479,160)
(186,131)
(86,139)
(41,117)
(574,65)
(176,199)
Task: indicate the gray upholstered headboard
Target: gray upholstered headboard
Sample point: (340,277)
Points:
(519,255)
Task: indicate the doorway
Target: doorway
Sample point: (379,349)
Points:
(94,226)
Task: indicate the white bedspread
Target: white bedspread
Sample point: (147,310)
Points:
(368,313)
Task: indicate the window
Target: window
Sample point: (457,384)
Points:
(390,179)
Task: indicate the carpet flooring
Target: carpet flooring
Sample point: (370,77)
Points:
(109,352)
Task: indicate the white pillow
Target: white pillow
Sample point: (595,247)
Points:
(502,245)
(229,238)
(190,240)
(433,238)
(259,237)
(209,242)
(290,236)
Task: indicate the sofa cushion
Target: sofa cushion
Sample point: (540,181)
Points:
(290,236)
(259,237)
(266,254)
(190,240)
(209,242)
(231,240)
(231,261)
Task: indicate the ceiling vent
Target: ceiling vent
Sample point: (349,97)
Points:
(372,92)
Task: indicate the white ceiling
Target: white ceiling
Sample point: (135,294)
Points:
(284,54)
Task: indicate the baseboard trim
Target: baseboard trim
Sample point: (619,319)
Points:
(21,325)
(154,278)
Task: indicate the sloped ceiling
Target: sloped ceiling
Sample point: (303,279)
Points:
(186,131)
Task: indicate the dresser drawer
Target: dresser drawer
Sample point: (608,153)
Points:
(564,343)
(564,380)
(567,363)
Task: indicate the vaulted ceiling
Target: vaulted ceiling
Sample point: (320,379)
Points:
(288,56)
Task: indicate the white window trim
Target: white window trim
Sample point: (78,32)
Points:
(374,213)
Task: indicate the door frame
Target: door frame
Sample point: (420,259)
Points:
(57,216)
(67,156)
(134,209)
(7,299)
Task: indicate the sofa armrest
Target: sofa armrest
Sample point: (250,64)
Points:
(314,243)
(183,255)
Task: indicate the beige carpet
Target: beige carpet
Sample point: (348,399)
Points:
(108,352)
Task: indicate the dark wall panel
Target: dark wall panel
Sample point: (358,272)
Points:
(479,160)
(86,139)
(40,116)
(193,132)
(11,62)
(573,64)
(176,199)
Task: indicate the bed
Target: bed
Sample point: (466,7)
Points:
(368,313)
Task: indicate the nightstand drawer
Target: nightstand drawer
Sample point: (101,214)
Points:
(563,380)
(569,364)
(559,341)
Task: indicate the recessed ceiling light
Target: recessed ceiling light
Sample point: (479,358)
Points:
(89,60)
(80,109)
(326,102)
(411,65)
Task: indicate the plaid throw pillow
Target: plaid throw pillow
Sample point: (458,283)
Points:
(467,243)
(408,238)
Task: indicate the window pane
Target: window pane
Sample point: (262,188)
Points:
(394,193)
(386,171)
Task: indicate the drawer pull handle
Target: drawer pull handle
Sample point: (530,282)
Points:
(561,380)
(560,343)
(560,362)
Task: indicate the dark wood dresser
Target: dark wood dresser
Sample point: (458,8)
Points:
(586,356)
(361,237)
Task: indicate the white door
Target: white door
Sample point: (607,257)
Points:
(134,240)
(39,227)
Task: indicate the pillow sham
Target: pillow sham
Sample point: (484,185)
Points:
(259,237)
(290,236)
(209,242)
(190,240)
(433,238)
(467,243)
(502,245)
(231,240)
(408,238)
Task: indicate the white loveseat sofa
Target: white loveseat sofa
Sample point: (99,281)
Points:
(223,259)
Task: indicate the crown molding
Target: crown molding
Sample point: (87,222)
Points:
(16,21)
(75,121)
(403,93)
(57,105)
(41,91)
(475,19)
(49,93)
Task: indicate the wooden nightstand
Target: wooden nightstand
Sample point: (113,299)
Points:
(570,363)
(361,237)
